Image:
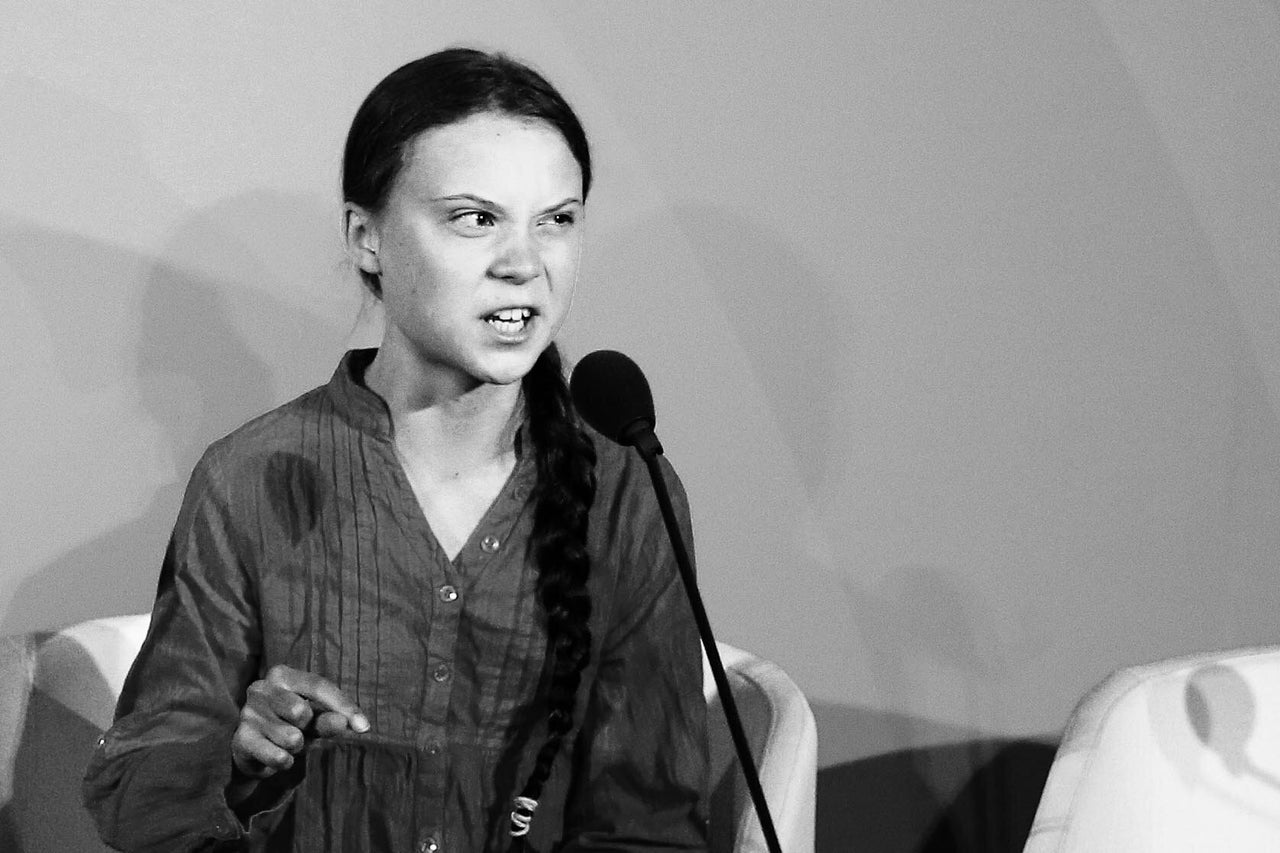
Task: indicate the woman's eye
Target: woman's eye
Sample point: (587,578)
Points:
(474,219)
(561,220)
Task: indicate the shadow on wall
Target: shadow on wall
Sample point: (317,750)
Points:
(188,345)
(972,792)
(725,302)
(791,322)
(887,804)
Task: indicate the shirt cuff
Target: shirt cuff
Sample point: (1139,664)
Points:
(164,797)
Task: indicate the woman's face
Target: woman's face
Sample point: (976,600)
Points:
(477,247)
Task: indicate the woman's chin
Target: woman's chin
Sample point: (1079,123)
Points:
(508,369)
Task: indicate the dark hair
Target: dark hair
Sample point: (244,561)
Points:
(437,90)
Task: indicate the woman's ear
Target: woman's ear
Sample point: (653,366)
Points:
(361,234)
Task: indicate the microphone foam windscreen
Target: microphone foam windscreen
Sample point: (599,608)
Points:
(611,394)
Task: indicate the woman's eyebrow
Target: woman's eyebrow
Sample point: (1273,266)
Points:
(474,199)
(568,201)
(484,202)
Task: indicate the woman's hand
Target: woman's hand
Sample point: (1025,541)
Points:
(276,711)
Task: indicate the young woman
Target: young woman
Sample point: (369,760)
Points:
(422,607)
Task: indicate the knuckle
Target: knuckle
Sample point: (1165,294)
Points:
(249,717)
(278,674)
(329,723)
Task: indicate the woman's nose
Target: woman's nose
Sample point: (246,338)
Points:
(517,260)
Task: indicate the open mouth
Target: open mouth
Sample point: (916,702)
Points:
(510,321)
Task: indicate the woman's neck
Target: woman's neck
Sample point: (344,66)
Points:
(446,423)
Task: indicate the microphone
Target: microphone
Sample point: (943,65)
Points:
(610,392)
(612,395)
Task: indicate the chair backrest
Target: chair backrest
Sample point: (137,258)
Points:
(784,742)
(58,692)
(1181,755)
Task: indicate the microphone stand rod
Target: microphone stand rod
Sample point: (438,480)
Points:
(649,449)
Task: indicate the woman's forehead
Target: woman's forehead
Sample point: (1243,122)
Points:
(492,153)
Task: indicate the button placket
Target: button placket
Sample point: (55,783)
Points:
(446,612)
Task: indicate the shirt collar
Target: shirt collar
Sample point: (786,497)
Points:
(368,412)
(359,406)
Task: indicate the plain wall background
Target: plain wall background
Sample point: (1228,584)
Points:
(962,320)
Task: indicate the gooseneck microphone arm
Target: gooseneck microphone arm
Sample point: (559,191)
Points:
(713,654)
(613,396)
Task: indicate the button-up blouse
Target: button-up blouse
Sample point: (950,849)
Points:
(300,542)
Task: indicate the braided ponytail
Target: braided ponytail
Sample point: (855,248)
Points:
(563,495)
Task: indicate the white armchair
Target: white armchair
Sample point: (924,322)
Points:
(1180,755)
(784,742)
(57,694)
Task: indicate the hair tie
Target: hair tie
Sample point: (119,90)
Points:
(522,816)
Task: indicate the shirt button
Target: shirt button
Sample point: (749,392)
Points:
(447,593)
(429,846)
(442,672)
(433,747)
(490,543)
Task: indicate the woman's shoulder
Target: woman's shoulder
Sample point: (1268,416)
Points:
(626,516)
(618,468)
(282,431)
(622,471)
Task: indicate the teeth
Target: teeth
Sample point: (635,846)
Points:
(510,321)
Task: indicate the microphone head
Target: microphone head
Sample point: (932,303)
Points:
(611,394)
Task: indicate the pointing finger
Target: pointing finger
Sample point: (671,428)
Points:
(323,695)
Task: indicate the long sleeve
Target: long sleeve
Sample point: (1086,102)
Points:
(157,780)
(642,753)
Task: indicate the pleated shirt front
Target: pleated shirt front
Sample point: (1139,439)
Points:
(300,542)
